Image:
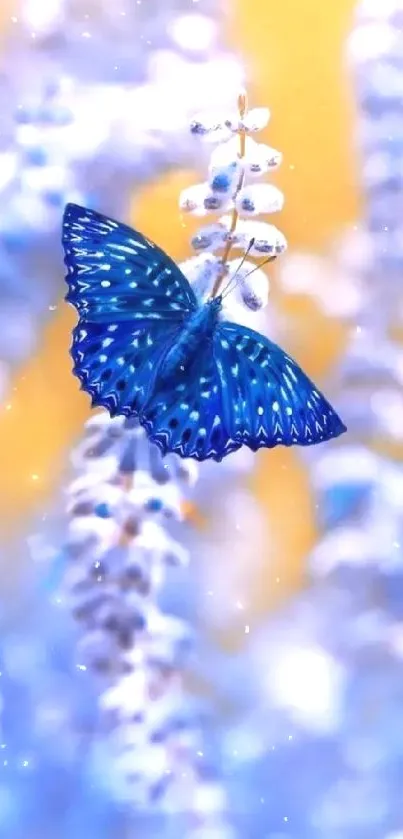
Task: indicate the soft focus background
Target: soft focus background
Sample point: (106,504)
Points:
(216,654)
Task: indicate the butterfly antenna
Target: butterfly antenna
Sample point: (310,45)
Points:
(226,290)
(265,262)
(256,267)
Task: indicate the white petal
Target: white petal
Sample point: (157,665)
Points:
(210,127)
(226,153)
(199,200)
(202,272)
(186,471)
(92,495)
(269,240)
(223,179)
(235,310)
(102,421)
(252,284)
(255,120)
(259,198)
(191,199)
(210,237)
(209,799)
(260,159)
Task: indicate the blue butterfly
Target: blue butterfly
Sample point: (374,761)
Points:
(145,347)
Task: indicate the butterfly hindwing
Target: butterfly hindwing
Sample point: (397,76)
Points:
(186,417)
(117,363)
(266,398)
(117,274)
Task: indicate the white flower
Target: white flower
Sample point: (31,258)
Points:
(101,421)
(102,530)
(202,272)
(149,763)
(268,239)
(210,127)
(95,493)
(200,199)
(128,696)
(259,198)
(45,178)
(209,799)
(211,237)
(153,537)
(309,683)
(146,496)
(223,179)
(258,158)
(252,284)
(186,470)
(218,128)
(226,153)
(104,467)
(255,120)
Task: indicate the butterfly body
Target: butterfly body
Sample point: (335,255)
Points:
(145,347)
(195,331)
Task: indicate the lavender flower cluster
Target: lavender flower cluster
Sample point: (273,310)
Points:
(236,159)
(119,548)
(376,52)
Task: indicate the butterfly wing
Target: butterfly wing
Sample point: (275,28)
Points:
(186,417)
(117,363)
(266,398)
(132,301)
(115,273)
(240,390)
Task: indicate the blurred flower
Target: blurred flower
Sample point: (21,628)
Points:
(119,547)
(318,691)
(86,118)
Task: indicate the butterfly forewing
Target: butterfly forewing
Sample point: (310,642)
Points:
(266,398)
(115,273)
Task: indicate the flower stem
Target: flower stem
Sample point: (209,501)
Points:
(242,109)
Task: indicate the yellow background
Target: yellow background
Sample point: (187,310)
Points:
(294,52)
